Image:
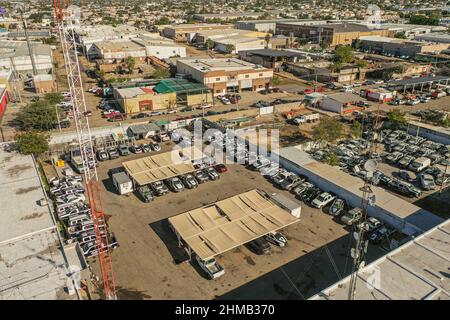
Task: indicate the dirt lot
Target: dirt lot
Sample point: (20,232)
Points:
(149,265)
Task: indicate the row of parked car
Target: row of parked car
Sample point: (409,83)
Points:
(72,210)
(310,194)
(147,193)
(111,153)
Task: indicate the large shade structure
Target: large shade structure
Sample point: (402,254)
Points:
(229,223)
(162,166)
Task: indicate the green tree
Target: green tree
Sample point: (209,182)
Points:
(401,35)
(362,63)
(229,48)
(210,44)
(329,130)
(131,63)
(50,41)
(344,54)
(162,21)
(267,39)
(40,115)
(396,119)
(99,73)
(276,80)
(32,142)
(356,130)
(161,74)
(301,41)
(54,97)
(335,67)
(332,159)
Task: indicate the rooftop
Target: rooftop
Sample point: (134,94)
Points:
(122,45)
(344,97)
(272,53)
(392,40)
(10,48)
(31,264)
(179,86)
(222,64)
(418,270)
(418,80)
(162,166)
(227,224)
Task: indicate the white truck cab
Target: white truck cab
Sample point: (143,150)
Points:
(211,267)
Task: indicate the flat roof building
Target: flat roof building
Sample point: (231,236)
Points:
(116,50)
(417,270)
(270,58)
(227,16)
(160,95)
(33,261)
(270,25)
(399,47)
(15,54)
(434,37)
(342,102)
(332,34)
(226,74)
(186,32)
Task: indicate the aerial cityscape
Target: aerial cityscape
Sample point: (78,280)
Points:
(224,150)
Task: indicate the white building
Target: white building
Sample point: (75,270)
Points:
(239,44)
(340,102)
(15,55)
(137,48)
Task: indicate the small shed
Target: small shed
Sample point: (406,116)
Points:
(143,131)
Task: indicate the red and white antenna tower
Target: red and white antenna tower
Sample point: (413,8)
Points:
(65,21)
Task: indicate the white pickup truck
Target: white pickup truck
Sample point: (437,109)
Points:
(211,267)
(306,118)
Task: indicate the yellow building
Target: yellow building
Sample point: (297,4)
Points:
(163,95)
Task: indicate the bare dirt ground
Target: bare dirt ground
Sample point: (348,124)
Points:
(148,264)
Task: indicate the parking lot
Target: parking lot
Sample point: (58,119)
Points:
(148,255)
(395,156)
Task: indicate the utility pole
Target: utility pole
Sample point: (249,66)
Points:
(361,227)
(447,160)
(30,49)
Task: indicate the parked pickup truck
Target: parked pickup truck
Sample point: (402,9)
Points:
(352,216)
(211,267)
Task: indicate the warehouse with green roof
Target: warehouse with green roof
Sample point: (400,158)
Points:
(158,95)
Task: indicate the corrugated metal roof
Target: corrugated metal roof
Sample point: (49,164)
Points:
(229,223)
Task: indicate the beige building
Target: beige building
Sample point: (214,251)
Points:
(400,47)
(226,75)
(186,32)
(332,34)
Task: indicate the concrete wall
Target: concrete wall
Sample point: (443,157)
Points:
(430,134)
(351,198)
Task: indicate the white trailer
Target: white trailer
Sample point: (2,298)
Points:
(122,182)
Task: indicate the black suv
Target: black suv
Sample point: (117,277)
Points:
(259,246)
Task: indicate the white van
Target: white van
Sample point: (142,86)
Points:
(420,164)
(122,182)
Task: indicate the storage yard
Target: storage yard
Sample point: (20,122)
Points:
(147,243)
